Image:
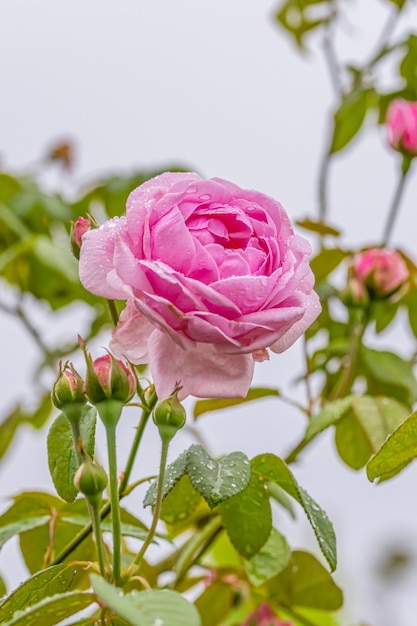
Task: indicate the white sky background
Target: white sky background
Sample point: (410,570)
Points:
(216,85)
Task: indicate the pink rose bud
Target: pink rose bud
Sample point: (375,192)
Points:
(382,272)
(402,126)
(263,616)
(68,392)
(78,229)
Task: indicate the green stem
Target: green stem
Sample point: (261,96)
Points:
(347,376)
(95,521)
(114,502)
(392,216)
(114,314)
(197,545)
(134,449)
(157,509)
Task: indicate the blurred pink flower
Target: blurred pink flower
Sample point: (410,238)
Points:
(78,229)
(212,274)
(402,126)
(381,271)
(263,616)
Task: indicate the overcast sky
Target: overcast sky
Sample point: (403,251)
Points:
(214,85)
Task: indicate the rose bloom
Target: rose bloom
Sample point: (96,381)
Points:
(263,616)
(212,274)
(402,126)
(382,271)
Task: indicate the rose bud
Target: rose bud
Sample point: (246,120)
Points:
(91,479)
(402,126)
(68,392)
(263,616)
(169,415)
(109,385)
(382,272)
(78,229)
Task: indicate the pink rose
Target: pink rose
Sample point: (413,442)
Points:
(212,274)
(402,126)
(381,271)
(263,616)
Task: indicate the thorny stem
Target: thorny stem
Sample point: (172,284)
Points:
(95,522)
(157,509)
(396,202)
(114,501)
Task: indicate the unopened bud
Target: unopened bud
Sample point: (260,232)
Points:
(169,415)
(68,392)
(383,272)
(78,229)
(91,479)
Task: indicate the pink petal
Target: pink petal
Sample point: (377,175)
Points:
(201,371)
(312,311)
(131,335)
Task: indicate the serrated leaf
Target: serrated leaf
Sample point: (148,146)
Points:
(349,118)
(180,502)
(62,457)
(217,481)
(272,558)
(173,473)
(305,582)
(397,452)
(216,404)
(272,468)
(52,610)
(154,607)
(326,261)
(247,518)
(48,582)
(364,427)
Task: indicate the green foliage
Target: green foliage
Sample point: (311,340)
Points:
(62,457)
(389,374)
(349,118)
(147,608)
(326,262)
(272,558)
(52,610)
(216,404)
(215,603)
(297,17)
(18,416)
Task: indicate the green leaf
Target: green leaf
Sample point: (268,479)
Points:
(247,518)
(217,481)
(271,468)
(280,496)
(62,457)
(174,472)
(408,66)
(180,502)
(397,452)
(147,608)
(51,610)
(21,526)
(215,603)
(349,118)
(389,374)
(321,228)
(216,404)
(18,417)
(329,415)
(272,558)
(326,261)
(127,530)
(384,313)
(46,583)
(364,427)
(3,588)
(305,583)
(295,17)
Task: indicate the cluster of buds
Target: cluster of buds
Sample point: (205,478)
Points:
(264,616)
(376,274)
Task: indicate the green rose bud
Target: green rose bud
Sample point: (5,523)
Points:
(91,479)
(68,393)
(169,415)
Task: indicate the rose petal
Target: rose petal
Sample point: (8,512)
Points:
(131,335)
(201,371)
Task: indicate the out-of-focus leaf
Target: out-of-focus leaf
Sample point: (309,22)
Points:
(363,428)
(48,582)
(305,583)
(62,457)
(15,528)
(388,374)
(300,17)
(215,603)
(408,66)
(383,314)
(396,452)
(3,588)
(217,481)
(349,118)
(272,558)
(318,227)
(247,518)
(326,261)
(52,610)
(216,404)
(147,608)
(271,468)
(19,416)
